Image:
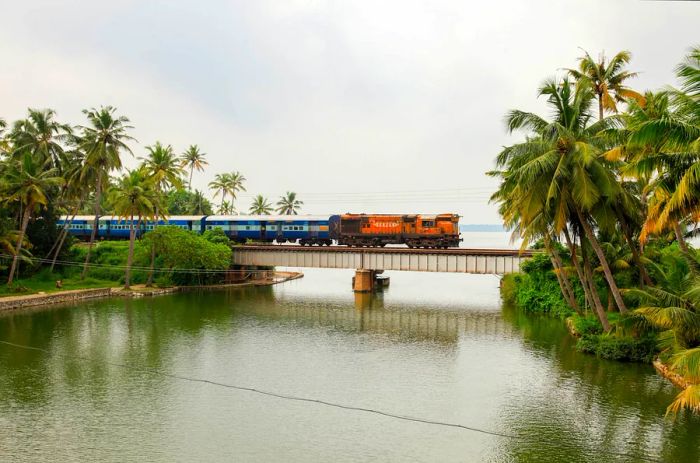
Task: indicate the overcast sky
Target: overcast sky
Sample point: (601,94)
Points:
(376,106)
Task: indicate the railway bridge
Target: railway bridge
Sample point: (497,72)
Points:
(368,261)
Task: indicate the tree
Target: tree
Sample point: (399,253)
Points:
(193,159)
(260,206)
(199,205)
(135,198)
(289,204)
(102,141)
(219,185)
(606,80)
(165,172)
(226,208)
(41,136)
(234,184)
(28,183)
(558,175)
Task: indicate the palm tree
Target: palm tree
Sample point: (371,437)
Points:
(194,159)
(559,173)
(289,204)
(29,184)
(226,208)
(260,206)
(42,137)
(234,184)
(219,185)
(135,198)
(606,79)
(102,141)
(199,205)
(165,172)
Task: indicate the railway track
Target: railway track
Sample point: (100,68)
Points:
(391,250)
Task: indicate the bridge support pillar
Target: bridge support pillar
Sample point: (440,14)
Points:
(363,281)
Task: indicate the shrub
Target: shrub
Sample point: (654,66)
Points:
(609,346)
(586,324)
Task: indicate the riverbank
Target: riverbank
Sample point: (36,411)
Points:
(58,296)
(536,292)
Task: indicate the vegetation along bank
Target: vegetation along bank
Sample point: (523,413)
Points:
(608,186)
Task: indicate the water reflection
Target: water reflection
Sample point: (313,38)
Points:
(437,358)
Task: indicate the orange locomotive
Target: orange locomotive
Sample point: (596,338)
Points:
(416,231)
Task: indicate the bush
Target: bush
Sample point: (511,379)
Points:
(623,348)
(586,324)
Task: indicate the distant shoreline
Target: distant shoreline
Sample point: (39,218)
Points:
(481,228)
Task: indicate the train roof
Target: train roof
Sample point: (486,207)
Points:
(78,217)
(270,218)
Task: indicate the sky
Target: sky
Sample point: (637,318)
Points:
(358,106)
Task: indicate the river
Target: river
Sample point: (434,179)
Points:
(115,380)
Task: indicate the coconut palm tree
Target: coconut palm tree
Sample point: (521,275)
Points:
(41,136)
(135,198)
(27,182)
(559,173)
(289,204)
(234,184)
(226,208)
(103,141)
(199,205)
(260,206)
(166,172)
(220,185)
(193,159)
(606,79)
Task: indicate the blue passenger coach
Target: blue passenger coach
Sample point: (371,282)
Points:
(306,230)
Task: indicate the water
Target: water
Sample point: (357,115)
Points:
(434,346)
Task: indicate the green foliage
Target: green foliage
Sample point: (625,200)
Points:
(586,324)
(217,236)
(183,202)
(182,249)
(622,348)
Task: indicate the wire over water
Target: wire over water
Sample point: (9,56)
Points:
(317,401)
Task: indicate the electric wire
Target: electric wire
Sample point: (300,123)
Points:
(69,263)
(308,399)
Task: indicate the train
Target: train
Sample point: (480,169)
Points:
(364,230)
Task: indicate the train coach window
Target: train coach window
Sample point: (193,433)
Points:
(428,223)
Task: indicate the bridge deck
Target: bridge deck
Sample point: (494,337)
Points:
(457,260)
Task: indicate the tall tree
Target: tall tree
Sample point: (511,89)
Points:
(289,204)
(103,141)
(559,171)
(135,198)
(27,182)
(607,79)
(260,206)
(41,136)
(165,172)
(193,159)
(234,184)
(219,185)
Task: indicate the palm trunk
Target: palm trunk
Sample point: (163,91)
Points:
(18,247)
(62,237)
(602,316)
(680,238)
(600,107)
(643,275)
(603,261)
(96,224)
(189,185)
(149,282)
(130,258)
(579,271)
(563,280)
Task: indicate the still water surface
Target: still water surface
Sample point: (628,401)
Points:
(437,347)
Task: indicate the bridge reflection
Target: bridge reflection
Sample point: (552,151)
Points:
(369,313)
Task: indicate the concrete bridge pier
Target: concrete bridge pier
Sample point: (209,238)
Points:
(363,281)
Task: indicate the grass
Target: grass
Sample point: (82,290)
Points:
(39,283)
